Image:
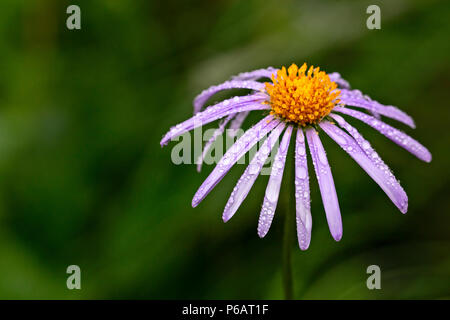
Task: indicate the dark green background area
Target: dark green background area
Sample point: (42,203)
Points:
(83,179)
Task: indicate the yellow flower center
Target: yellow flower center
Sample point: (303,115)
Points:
(302,97)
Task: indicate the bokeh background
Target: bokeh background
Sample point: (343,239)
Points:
(83,179)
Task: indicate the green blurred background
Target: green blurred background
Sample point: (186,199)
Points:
(83,179)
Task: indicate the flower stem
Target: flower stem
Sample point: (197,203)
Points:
(288,234)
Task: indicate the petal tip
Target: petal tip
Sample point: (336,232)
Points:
(410,122)
(262,233)
(426,155)
(337,236)
(164,141)
(404,208)
(304,245)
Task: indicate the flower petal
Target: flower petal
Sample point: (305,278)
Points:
(220,110)
(211,140)
(397,136)
(361,151)
(248,139)
(326,183)
(256,74)
(357,99)
(336,77)
(273,187)
(236,123)
(302,195)
(200,100)
(250,174)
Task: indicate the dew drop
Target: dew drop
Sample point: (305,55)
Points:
(301,172)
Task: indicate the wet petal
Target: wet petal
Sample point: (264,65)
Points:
(236,123)
(326,183)
(200,100)
(302,195)
(250,174)
(248,139)
(220,110)
(256,74)
(397,136)
(357,99)
(273,187)
(361,151)
(213,138)
(341,82)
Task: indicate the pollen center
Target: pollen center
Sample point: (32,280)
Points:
(301,96)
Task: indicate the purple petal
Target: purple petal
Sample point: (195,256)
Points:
(250,174)
(220,110)
(357,99)
(336,77)
(376,115)
(273,187)
(326,183)
(361,151)
(302,196)
(236,123)
(213,138)
(400,138)
(256,74)
(200,100)
(248,139)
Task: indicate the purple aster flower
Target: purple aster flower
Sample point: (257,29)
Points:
(307,100)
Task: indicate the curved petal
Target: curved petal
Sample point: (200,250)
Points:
(220,110)
(213,138)
(371,163)
(236,123)
(357,99)
(326,183)
(400,138)
(200,100)
(273,187)
(302,195)
(248,139)
(341,82)
(250,174)
(256,74)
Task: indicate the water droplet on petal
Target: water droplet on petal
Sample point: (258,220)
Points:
(301,172)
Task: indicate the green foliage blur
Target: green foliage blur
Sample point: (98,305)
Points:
(83,179)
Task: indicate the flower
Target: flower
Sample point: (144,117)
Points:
(307,100)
